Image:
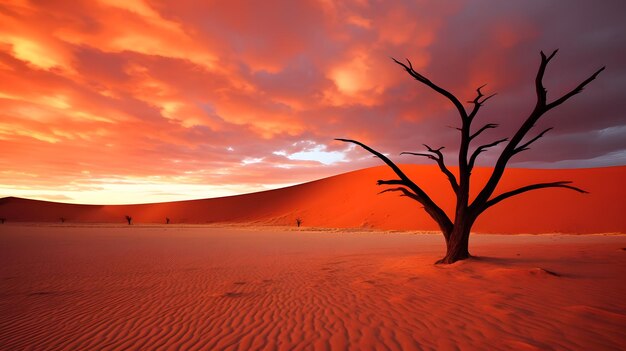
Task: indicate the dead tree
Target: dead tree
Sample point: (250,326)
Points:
(62,219)
(129,219)
(456,231)
(2,220)
(167,220)
(298,221)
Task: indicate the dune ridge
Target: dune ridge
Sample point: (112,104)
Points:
(351,200)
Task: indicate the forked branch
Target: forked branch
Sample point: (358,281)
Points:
(437,155)
(420,78)
(409,183)
(418,194)
(514,147)
(481,149)
(478,101)
(541,91)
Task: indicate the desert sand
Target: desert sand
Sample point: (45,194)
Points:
(158,287)
(351,200)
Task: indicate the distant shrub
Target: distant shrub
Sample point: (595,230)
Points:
(2,220)
(167,220)
(129,219)
(62,219)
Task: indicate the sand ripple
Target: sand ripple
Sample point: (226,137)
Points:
(215,289)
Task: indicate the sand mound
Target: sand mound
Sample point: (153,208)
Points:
(351,200)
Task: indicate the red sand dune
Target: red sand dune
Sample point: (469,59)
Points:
(351,200)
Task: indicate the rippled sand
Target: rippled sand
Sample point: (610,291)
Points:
(203,288)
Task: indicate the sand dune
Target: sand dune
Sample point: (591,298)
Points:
(351,200)
(201,288)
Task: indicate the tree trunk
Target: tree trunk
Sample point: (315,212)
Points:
(457,245)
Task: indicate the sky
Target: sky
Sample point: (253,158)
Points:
(134,101)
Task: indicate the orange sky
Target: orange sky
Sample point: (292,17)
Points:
(126,101)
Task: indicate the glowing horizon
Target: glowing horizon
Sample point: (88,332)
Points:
(143,101)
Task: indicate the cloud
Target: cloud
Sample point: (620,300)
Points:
(307,150)
(94,93)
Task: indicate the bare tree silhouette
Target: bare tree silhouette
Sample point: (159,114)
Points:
(167,220)
(2,220)
(62,219)
(298,221)
(129,219)
(456,231)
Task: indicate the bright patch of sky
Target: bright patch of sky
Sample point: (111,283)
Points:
(133,190)
(251,160)
(312,151)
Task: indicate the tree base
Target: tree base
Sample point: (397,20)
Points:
(449,259)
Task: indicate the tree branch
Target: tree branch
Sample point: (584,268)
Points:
(429,205)
(541,91)
(420,78)
(438,157)
(508,194)
(482,148)
(463,182)
(525,146)
(443,168)
(405,192)
(432,157)
(485,127)
(390,182)
(408,182)
(478,102)
(512,147)
(575,91)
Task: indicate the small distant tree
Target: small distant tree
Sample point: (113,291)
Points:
(129,219)
(298,221)
(167,220)
(456,230)
(2,220)
(62,219)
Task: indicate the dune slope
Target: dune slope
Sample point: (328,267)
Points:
(351,200)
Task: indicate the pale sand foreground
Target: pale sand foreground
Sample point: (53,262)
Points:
(202,288)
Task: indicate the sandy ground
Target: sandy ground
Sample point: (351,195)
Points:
(208,288)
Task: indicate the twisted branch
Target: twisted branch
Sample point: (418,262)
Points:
(478,103)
